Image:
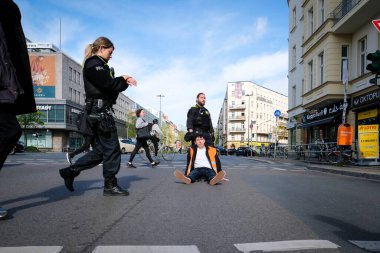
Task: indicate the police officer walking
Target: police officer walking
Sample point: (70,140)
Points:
(102,90)
(199,120)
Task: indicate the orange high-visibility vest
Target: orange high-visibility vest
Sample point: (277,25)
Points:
(211,151)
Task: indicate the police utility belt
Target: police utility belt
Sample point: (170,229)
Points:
(100,111)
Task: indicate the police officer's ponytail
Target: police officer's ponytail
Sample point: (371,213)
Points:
(91,49)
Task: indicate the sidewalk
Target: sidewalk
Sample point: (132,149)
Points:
(368,172)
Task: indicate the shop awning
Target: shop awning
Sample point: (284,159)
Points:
(316,123)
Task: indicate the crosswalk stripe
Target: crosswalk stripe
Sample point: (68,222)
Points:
(147,249)
(31,249)
(368,245)
(286,245)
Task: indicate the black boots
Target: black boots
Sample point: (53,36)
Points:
(68,174)
(112,189)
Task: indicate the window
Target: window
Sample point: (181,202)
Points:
(363,55)
(70,71)
(71,93)
(344,58)
(310,74)
(293,57)
(293,96)
(320,56)
(322,11)
(311,21)
(294,17)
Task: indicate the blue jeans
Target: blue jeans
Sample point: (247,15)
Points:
(198,173)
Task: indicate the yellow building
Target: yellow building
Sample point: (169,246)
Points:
(328,41)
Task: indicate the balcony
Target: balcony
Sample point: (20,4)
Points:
(237,107)
(237,130)
(237,118)
(350,15)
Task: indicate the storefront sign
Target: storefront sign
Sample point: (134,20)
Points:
(324,112)
(367,114)
(43,107)
(369,141)
(367,98)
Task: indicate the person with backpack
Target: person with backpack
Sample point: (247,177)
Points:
(141,142)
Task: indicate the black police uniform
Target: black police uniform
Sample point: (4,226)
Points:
(102,90)
(199,119)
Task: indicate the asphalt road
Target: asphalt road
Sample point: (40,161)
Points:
(264,206)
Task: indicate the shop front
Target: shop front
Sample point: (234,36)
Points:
(322,124)
(367,119)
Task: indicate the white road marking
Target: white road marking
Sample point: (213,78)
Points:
(147,249)
(286,245)
(368,245)
(31,249)
(279,169)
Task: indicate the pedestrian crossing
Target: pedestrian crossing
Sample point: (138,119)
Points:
(275,246)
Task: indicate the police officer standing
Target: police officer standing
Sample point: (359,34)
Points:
(102,90)
(199,120)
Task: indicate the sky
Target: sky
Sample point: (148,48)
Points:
(175,48)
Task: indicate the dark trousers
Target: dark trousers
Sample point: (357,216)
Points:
(106,149)
(155,142)
(141,143)
(88,139)
(198,173)
(10,132)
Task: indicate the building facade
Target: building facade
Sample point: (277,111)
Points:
(247,116)
(328,42)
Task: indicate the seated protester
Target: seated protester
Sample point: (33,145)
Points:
(202,161)
(157,135)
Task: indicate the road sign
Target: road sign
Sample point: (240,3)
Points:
(277,113)
(376,23)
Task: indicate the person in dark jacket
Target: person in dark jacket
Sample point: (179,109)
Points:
(13,39)
(102,90)
(199,120)
(202,161)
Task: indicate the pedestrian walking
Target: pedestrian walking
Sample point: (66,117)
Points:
(141,142)
(199,121)
(16,86)
(157,135)
(102,90)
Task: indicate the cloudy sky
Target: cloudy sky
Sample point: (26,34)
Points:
(176,48)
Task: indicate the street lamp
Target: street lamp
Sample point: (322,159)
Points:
(249,112)
(160,96)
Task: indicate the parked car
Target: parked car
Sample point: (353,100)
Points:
(18,147)
(126,145)
(245,151)
(231,151)
(221,150)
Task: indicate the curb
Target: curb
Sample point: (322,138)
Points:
(346,172)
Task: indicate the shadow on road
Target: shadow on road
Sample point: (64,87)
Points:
(59,193)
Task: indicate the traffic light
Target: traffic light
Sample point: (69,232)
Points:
(374,67)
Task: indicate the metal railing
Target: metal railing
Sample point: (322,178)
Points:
(342,9)
(326,152)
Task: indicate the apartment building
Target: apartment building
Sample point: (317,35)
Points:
(328,43)
(247,116)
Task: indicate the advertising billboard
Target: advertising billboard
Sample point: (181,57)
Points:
(43,75)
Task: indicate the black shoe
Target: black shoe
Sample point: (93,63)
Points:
(112,189)
(3,213)
(154,164)
(115,191)
(130,165)
(68,174)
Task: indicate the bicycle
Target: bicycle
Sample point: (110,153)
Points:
(300,153)
(166,152)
